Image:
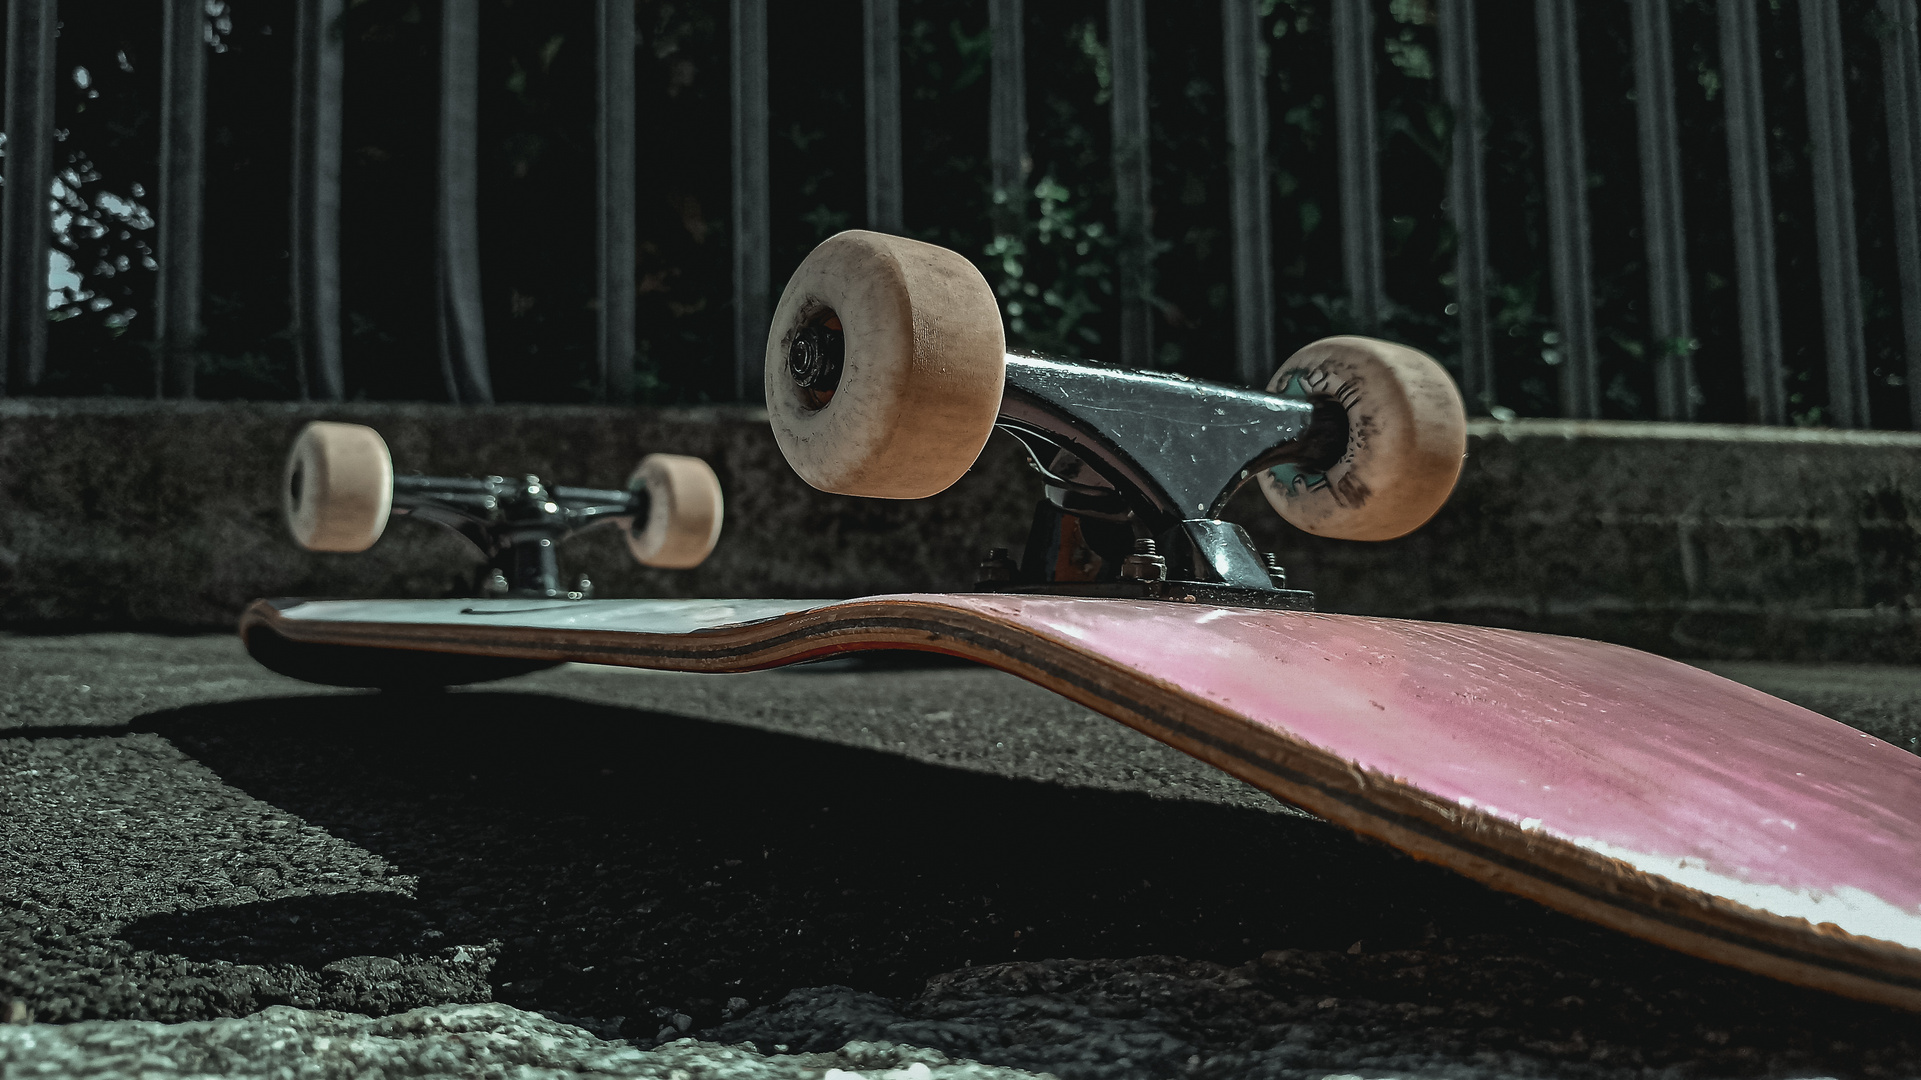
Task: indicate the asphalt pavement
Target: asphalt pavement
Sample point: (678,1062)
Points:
(886,867)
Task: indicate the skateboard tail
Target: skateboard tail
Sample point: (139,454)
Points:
(1699,915)
(1497,852)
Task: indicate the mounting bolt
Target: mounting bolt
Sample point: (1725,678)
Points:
(584,588)
(997,566)
(1276,573)
(1145,564)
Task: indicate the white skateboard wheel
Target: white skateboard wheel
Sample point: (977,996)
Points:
(338,487)
(921,378)
(1407,434)
(683,512)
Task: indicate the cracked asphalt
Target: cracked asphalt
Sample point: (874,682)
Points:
(852,854)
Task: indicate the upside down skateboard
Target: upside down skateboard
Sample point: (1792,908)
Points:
(1620,787)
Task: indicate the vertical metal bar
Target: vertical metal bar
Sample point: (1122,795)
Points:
(1360,168)
(1661,212)
(463,332)
(1007,119)
(882,85)
(1127,32)
(752,255)
(183,139)
(614,136)
(29,175)
(1835,243)
(1467,197)
(1901,79)
(1569,253)
(1245,73)
(318,68)
(1752,207)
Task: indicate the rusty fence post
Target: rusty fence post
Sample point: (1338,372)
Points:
(462,323)
(1835,243)
(1901,81)
(23,206)
(752,231)
(183,143)
(1570,253)
(1664,230)
(1127,33)
(1467,198)
(1245,73)
(881,88)
(315,236)
(1359,161)
(1007,117)
(614,185)
(1751,204)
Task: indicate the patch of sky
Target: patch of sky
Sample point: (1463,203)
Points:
(83,79)
(219,25)
(97,229)
(64,286)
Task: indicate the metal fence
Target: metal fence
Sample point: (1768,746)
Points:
(1747,80)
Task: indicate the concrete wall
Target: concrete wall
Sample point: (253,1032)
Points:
(1688,540)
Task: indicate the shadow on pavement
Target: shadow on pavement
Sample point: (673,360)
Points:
(633,864)
(620,852)
(310,931)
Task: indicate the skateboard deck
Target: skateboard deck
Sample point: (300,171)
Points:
(1620,787)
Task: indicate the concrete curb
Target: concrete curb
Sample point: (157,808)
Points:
(1693,540)
(1690,540)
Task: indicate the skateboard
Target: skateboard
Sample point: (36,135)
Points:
(1617,786)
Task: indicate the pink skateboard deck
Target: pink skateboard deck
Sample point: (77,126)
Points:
(1631,790)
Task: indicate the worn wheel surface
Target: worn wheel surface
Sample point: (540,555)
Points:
(905,408)
(1406,436)
(338,487)
(684,509)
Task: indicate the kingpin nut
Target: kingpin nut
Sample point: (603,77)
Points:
(1145,564)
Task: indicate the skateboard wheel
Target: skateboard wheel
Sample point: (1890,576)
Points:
(683,512)
(338,487)
(1406,436)
(922,365)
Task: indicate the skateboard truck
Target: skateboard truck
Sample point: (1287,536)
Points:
(517,525)
(340,490)
(1137,469)
(887,371)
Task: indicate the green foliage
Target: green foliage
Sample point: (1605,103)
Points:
(1055,274)
(1055,277)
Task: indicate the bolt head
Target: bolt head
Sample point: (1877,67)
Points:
(999,565)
